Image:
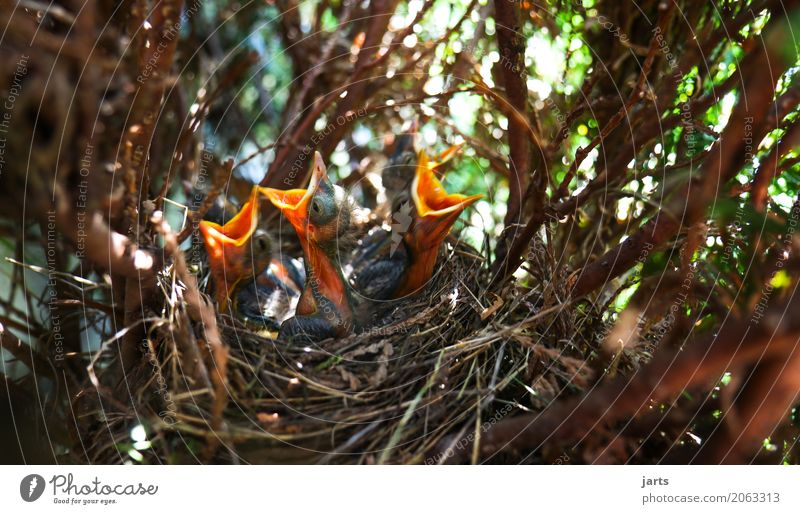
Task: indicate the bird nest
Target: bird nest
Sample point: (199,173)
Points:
(426,373)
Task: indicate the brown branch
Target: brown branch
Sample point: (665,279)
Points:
(511,44)
(760,406)
(106,248)
(25,354)
(735,346)
(506,264)
(380,13)
(291,149)
(635,97)
(299,100)
(646,133)
(650,128)
(220,177)
(153,69)
(769,167)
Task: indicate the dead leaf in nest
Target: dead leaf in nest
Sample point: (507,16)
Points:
(383,366)
(421,318)
(554,354)
(549,298)
(350,378)
(571,369)
(379,375)
(489,311)
(383,347)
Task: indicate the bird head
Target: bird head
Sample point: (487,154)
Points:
(404,152)
(436,209)
(320,214)
(236,249)
(399,171)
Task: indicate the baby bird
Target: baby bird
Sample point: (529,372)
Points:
(403,261)
(269,300)
(261,290)
(320,216)
(399,171)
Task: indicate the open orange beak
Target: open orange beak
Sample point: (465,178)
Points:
(293,203)
(437,210)
(226,246)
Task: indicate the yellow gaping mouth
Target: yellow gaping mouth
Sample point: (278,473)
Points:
(293,203)
(226,245)
(430,197)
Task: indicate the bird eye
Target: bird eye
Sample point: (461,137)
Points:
(316,206)
(261,242)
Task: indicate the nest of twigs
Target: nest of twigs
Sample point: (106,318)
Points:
(448,362)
